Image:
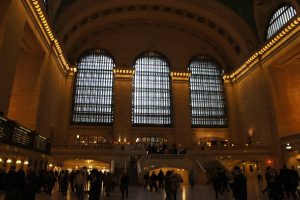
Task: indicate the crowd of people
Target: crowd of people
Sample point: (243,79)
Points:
(21,185)
(164,149)
(170,182)
(235,181)
(282,184)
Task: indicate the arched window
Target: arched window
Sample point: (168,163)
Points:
(208,102)
(280,17)
(151,91)
(93,89)
(45,2)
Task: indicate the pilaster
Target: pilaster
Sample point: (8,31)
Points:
(181,108)
(122,104)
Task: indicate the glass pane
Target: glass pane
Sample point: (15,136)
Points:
(279,19)
(208,102)
(151,91)
(92,102)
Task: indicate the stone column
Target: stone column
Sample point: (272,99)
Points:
(9,51)
(122,103)
(233,119)
(181,108)
(4,7)
(62,134)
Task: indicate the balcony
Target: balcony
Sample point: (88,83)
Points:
(15,134)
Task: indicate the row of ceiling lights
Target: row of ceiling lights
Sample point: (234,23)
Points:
(241,70)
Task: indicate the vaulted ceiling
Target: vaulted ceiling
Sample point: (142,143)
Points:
(225,29)
(243,8)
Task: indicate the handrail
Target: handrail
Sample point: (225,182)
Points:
(200,165)
(167,156)
(232,148)
(70,146)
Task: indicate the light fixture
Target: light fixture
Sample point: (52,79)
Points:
(50,165)
(269,162)
(0,159)
(26,162)
(18,162)
(77,136)
(288,146)
(248,64)
(8,161)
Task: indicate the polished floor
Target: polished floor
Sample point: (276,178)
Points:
(203,192)
(200,192)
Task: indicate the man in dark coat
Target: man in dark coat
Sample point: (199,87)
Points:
(95,182)
(124,182)
(12,190)
(239,186)
(31,185)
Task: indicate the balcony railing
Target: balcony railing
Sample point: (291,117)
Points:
(14,134)
(120,148)
(167,156)
(231,149)
(81,147)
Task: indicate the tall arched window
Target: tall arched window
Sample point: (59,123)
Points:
(151,91)
(93,89)
(279,18)
(208,102)
(45,2)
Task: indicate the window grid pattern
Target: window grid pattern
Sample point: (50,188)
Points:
(45,2)
(152,95)
(279,19)
(93,94)
(208,102)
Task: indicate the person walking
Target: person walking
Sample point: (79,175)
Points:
(12,191)
(259,176)
(168,186)
(51,182)
(153,179)
(107,182)
(239,185)
(95,182)
(160,177)
(31,185)
(146,179)
(192,179)
(124,181)
(79,182)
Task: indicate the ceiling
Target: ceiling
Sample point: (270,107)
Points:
(226,29)
(243,8)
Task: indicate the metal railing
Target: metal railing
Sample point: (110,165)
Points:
(81,147)
(232,148)
(15,134)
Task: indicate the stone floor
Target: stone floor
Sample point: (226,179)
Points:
(203,192)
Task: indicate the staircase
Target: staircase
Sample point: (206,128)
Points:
(179,161)
(133,176)
(211,167)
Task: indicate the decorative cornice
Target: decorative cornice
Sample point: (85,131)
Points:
(180,76)
(271,46)
(39,16)
(123,72)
